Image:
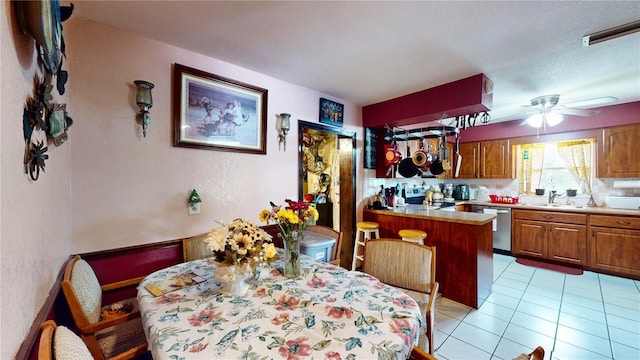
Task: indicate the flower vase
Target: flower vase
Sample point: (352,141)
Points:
(291,243)
(234,279)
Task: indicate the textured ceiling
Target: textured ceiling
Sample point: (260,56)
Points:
(366,52)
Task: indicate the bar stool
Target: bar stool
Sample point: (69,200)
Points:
(413,235)
(367,229)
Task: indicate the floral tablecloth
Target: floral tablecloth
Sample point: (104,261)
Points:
(329,313)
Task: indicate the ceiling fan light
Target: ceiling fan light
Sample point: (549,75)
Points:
(535,120)
(553,119)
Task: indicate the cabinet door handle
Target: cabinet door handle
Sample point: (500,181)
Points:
(549,217)
(623,222)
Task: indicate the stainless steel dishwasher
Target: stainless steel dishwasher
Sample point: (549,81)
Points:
(501,226)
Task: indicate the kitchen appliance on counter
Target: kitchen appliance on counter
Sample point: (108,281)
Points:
(623,202)
(415,195)
(461,192)
(483,194)
(501,227)
(448,194)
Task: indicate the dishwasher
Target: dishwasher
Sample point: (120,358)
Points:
(501,227)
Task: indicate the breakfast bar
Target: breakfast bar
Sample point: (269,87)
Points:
(464,247)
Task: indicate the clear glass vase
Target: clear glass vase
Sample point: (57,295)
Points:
(291,242)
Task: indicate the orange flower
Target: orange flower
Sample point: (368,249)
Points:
(339,311)
(404,302)
(332,355)
(198,348)
(296,348)
(316,283)
(403,328)
(167,299)
(280,319)
(290,303)
(204,317)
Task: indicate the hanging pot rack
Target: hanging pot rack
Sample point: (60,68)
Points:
(396,134)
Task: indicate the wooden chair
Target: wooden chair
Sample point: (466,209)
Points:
(419,354)
(194,248)
(536,354)
(60,343)
(411,267)
(327,231)
(116,336)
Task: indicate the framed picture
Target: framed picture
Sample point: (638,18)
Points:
(331,112)
(212,112)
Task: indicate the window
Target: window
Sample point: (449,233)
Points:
(555,166)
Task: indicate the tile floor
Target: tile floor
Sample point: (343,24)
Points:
(581,317)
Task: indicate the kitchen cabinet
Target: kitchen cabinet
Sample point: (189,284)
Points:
(550,235)
(617,154)
(470,165)
(485,160)
(614,244)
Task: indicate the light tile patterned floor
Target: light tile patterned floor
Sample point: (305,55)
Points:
(574,317)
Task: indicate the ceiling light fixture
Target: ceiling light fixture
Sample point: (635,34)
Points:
(545,115)
(612,33)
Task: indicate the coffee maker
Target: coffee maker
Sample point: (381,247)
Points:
(461,192)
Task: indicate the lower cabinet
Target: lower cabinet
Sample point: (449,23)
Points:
(614,244)
(550,235)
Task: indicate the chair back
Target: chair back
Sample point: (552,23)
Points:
(337,235)
(537,353)
(194,248)
(60,343)
(400,263)
(419,354)
(82,291)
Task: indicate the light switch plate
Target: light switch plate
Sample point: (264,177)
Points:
(194,209)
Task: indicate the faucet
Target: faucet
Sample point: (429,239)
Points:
(552,196)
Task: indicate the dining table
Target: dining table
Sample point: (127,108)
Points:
(326,313)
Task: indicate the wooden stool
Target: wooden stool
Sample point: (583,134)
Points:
(368,229)
(412,235)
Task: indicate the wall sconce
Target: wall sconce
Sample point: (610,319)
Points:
(285,125)
(145,102)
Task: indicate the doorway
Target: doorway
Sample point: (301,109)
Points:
(327,175)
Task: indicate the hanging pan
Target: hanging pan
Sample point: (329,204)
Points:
(407,168)
(421,158)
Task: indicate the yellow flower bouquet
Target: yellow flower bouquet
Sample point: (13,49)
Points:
(292,220)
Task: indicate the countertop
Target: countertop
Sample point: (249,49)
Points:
(432,213)
(598,210)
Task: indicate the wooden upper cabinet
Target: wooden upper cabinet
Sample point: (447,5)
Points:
(470,164)
(485,160)
(617,152)
(495,159)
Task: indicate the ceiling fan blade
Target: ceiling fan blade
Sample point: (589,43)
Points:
(592,102)
(577,112)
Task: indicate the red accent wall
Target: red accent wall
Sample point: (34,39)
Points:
(453,99)
(613,115)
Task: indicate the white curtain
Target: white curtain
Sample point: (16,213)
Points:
(576,155)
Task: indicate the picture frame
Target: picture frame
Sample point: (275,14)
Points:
(331,112)
(212,112)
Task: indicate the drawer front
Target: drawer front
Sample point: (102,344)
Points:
(551,216)
(621,222)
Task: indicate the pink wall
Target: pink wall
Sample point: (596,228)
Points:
(609,116)
(129,190)
(34,216)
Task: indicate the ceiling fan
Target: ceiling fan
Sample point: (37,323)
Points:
(547,112)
